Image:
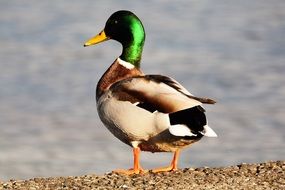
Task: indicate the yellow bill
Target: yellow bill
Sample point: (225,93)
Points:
(101,37)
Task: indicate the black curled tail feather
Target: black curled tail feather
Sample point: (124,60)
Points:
(194,118)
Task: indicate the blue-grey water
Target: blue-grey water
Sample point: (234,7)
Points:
(232,51)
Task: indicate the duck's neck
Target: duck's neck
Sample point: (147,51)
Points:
(133,44)
(132,53)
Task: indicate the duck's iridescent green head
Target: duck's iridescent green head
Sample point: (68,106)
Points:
(126,28)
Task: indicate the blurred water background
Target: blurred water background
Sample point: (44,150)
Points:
(232,51)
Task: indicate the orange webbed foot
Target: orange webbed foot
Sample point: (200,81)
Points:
(164,169)
(173,165)
(130,171)
(137,169)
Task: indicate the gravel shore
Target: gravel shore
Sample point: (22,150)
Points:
(269,175)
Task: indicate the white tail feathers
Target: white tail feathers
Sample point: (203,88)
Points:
(208,132)
(180,130)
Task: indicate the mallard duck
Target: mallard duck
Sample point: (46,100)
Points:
(147,112)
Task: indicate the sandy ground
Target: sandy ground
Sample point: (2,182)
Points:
(270,175)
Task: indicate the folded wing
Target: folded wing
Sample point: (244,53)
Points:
(156,93)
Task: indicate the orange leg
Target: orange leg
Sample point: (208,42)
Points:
(137,169)
(173,165)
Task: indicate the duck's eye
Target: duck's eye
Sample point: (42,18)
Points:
(116,22)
